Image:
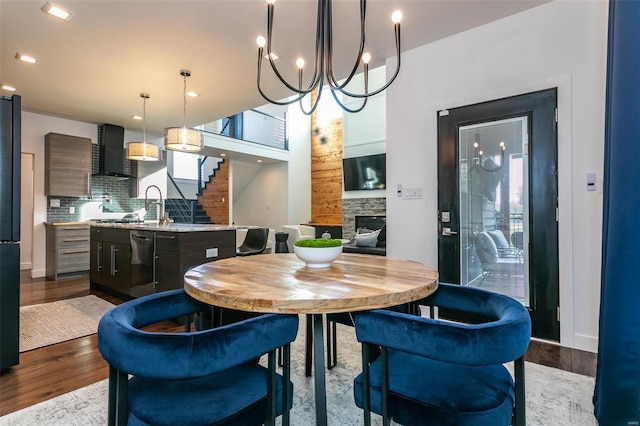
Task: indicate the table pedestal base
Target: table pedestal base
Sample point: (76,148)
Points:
(314,340)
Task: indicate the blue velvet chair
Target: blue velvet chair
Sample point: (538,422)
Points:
(208,377)
(441,372)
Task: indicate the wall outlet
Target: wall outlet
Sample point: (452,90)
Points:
(72,209)
(212,252)
(54,202)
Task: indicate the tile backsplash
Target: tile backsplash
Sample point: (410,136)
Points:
(112,193)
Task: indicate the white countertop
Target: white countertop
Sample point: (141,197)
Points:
(173,227)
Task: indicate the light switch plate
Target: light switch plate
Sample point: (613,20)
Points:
(591,181)
(54,202)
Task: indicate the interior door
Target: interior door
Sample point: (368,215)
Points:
(497,195)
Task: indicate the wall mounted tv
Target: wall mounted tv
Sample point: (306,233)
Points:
(362,173)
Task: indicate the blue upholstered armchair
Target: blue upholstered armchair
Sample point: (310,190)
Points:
(441,372)
(208,377)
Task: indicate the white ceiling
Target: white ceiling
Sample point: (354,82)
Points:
(93,67)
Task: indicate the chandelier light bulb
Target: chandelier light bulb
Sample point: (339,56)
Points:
(271,1)
(475,145)
(300,63)
(260,41)
(396,17)
(479,152)
(366,57)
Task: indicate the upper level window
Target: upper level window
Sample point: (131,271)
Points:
(185,166)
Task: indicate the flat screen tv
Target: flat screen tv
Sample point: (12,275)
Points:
(362,173)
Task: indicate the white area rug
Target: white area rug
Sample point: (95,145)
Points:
(55,322)
(554,397)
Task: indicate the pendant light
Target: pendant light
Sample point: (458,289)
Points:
(183,138)
(143,151)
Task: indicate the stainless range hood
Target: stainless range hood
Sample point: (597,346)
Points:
(112,152)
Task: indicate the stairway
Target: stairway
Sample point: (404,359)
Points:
(180,211)
(201,215)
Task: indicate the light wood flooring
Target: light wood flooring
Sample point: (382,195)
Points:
(51,371)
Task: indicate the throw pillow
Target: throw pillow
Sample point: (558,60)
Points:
(364,230)
(367,240)
(498,237)
(486,248)
(382,236)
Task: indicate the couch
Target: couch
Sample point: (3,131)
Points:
(365,242)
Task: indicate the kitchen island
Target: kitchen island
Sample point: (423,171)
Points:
(131,260)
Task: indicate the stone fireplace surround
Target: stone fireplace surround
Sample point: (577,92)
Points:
(352,207)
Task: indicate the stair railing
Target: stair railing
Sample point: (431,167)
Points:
(186,212)
(201,161)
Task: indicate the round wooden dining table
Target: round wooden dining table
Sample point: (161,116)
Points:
(281,283)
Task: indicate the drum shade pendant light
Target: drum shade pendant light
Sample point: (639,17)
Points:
(183,138)
(143,151)
(323,67)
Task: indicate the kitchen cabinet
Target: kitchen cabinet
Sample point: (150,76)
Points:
(159,258)
(67,250)
(111,259)
(67,165)
(176,252)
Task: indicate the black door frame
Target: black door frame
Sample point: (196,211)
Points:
(541,109)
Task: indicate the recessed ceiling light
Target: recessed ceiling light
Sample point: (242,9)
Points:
(8,88)
(25,58)
(57,11)
(223,155)
(193,94)
(136,117)
(259,161)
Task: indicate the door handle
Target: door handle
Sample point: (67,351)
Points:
(448,231)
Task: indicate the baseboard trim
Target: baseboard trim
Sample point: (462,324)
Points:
(38,273)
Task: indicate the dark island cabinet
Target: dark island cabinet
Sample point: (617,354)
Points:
(176,252)
(115,268)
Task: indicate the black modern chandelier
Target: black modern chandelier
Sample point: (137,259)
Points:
(323,68)
(478,154)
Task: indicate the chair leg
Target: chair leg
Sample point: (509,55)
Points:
(286,378)
(309,346)
(384,381)
(271,390)
(519,417)
(332,344)
(113,386)
(366,392)
(122,398)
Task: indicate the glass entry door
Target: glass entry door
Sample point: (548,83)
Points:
(493,193)
(498,202)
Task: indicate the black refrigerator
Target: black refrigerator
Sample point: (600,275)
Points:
(9,230)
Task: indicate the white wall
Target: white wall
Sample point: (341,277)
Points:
(264,201)
(559,44)
(34,128)
(299,167)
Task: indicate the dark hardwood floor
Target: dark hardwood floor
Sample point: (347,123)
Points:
(51,371)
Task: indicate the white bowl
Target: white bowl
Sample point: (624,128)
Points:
(317,257)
